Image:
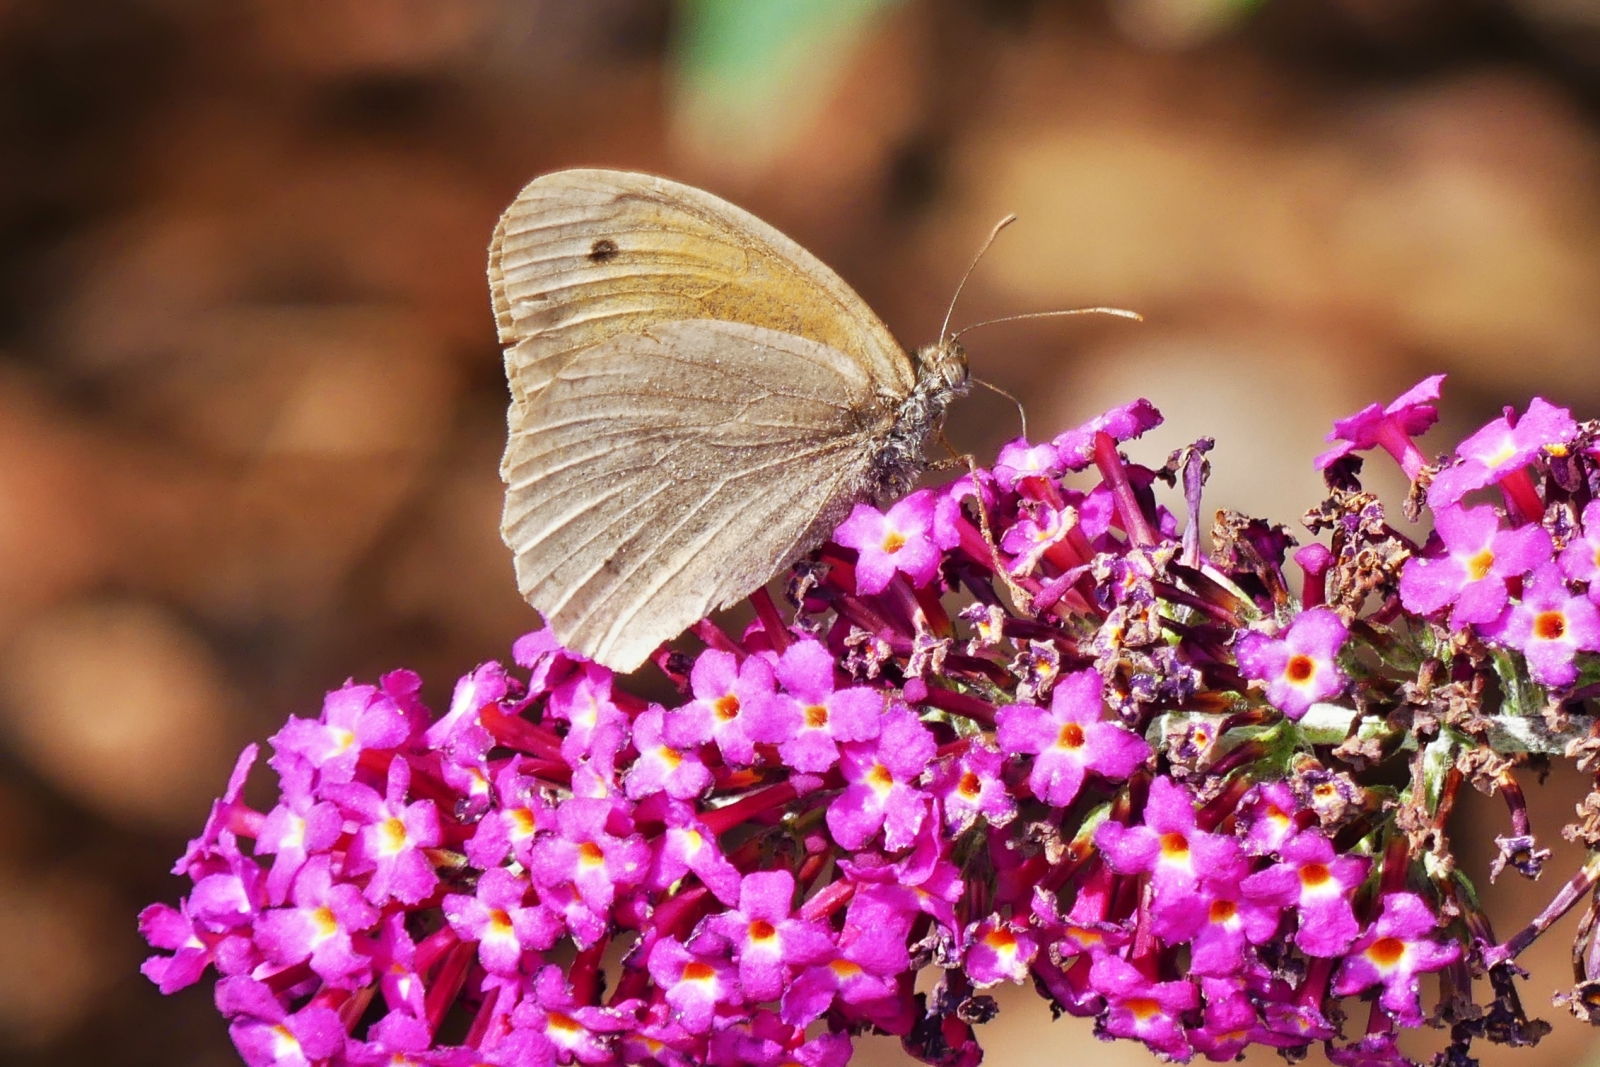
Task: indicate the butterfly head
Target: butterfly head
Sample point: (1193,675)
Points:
(942,367)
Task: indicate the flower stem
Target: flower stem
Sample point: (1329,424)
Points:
(1560,904)
(1116,476)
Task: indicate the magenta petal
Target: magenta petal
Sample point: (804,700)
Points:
(999,952)
(713,674)
(1259,656)
(1479,602)
(1278,885)
(1516,552)
(767,895)
(1430,585)
(771,720)
(1327,926)
(1215,856)
(1056,778)
(1169,807)
(1217,949)
(688,726)
(811,751)
(1317,632)
(856,714)
(805,670)
(1129,849)
(905,746)
(809,995)
(1075,448)
(1117,751)
(1453,483)
(1022,728)
(855,816)
(903,817)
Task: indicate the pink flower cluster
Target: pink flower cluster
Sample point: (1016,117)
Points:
(1496,570)
(1150,781)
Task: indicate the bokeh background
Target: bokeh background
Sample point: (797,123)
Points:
(251,404)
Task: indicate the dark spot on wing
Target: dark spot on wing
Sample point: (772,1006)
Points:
(603,250)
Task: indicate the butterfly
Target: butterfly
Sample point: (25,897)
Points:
(696,402)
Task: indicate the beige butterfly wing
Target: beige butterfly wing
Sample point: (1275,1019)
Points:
(695,401)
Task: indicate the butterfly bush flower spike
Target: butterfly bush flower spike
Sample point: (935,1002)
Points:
(1054,744)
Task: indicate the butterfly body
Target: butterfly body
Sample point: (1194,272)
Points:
(696,401)
(942,376)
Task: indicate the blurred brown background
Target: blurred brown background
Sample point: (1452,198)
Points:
(251,405)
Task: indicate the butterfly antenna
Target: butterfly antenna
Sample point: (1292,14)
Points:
(1021,414)
(951,310)
(1121,313)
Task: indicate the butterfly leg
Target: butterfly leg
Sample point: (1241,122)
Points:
(964,459)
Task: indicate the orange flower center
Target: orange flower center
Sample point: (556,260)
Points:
(1000,939)
(1386,951)
(816,716)
(969,786)
(1143,1008)
(563,1023)
(590,854)
(324,922)
(1174,846)
(1478,566)
(761,930)
(1300,668)
(726,708)
(1223,910)
(893,541)
(1313,875)
(695,971)
(391,837)
(1550,626)
(522,823)
(879,777)
(1071,736)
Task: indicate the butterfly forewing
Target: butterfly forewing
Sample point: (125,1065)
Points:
(586,255)
(665,474)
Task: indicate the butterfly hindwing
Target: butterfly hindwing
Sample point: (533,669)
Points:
(663,474)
